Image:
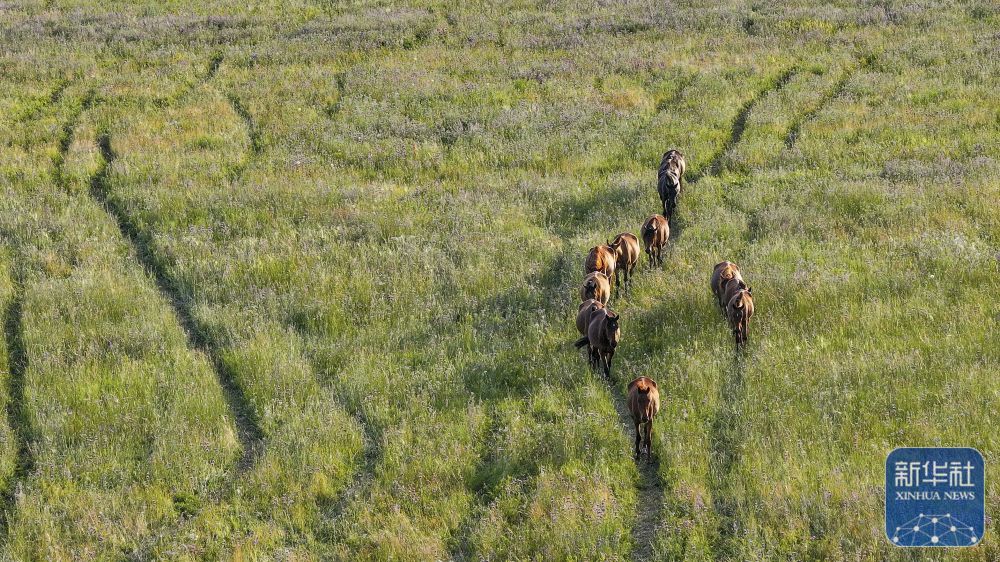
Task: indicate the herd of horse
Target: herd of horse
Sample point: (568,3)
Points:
(615,261)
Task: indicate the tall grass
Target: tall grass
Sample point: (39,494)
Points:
(358,230)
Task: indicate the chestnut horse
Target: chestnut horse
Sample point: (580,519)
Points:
(655,232)
(601,258)
(738,311)
(602,337)
(626,250)
(596,286)
(724,273)
(643,404)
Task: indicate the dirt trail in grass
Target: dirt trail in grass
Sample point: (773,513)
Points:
(17,416)
(650,488)
(248,428)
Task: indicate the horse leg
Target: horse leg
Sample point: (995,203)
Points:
(638,439)
(649,440)
(607,363)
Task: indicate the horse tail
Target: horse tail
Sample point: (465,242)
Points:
(582,342)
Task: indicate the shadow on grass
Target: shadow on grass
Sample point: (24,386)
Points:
(248,428)
(597,210)
(17,416)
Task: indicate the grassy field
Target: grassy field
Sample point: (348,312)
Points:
(298,281)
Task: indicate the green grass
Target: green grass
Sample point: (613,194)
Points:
(299,282)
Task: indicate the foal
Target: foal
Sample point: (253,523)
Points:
(587,308)
(738,312)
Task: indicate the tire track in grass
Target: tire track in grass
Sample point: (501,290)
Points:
(253,134)
(52,99)
(726,435)
(17,356)
(372,448)
(484,492)
(834,93)
(372,439)
(213,66)
(17,415)
(210,71)
(718,163)
(66,137)
(248,121)
(247,426)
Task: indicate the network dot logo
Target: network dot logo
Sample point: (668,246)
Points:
(935,530)
(934,497)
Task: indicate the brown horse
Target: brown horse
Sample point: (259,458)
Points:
(587,308)
(738,311)
(643,403)
(602,337)
(724,273)
(596,286)
(601,258)
(626,250)
(670,177)
(655,232)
